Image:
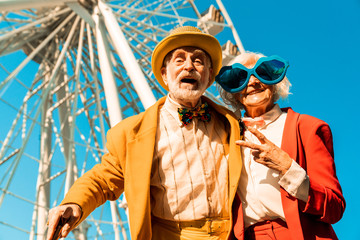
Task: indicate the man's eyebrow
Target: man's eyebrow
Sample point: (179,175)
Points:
(178,53)
(199,52)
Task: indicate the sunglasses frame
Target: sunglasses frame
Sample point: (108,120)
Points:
(250,72)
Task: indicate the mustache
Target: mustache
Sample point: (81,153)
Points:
(193,74)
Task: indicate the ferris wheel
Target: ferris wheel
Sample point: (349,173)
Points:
(70,70)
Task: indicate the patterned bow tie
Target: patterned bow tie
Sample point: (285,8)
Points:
(251,122)
(202,112)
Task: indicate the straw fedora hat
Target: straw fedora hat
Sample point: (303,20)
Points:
(186,36)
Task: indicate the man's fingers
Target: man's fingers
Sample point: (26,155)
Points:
(54,218)
(63,218)
(51,231)
(249,145)
(67,212)
(65,230)
(71,216)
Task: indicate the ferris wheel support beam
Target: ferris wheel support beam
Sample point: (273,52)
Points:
(80,233)
(127,56)
(228,20)
(70,164)
(110,89)
(82,12)
(95,79)
(109,82)
(42,188)
(11,5)
(77,86)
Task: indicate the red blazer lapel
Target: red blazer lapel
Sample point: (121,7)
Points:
(291,143)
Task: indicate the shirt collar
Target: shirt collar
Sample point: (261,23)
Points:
(270,116)
(172,106)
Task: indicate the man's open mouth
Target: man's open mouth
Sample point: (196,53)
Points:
(188,80)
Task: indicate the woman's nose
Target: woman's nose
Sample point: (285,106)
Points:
(253,80)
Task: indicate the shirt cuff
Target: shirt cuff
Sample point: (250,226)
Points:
(296,182)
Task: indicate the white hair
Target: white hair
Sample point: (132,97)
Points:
(282,89)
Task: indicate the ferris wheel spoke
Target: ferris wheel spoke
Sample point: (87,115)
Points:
(36,50)
(11,136)
(14,227)
(61,187)
(12,154)
(96,144)
(31,24)
(146,25)
(10,5)
(90,150)
(99,232)
(13,22)
(159,14)
(126,91)
(93,72)
(29,14)
(141,46)
(5,143)
(113,209)
(18,81)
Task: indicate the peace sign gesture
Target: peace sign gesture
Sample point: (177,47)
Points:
(267,153)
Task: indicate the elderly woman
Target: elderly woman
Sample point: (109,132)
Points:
(288,187)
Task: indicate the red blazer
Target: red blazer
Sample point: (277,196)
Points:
(308,140)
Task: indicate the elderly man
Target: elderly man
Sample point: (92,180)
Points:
(177,162)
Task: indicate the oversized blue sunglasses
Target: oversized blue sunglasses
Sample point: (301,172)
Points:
(269,70)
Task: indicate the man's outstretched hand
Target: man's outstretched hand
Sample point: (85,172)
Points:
(62,220)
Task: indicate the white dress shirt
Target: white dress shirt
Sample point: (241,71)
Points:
(189,177)
(259,186)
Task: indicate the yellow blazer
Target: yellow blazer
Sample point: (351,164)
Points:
(127,168)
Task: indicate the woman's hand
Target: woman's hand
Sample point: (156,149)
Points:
(267,153)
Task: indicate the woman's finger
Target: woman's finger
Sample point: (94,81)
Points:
(249,145)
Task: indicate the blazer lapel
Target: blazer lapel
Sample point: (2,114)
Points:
(289,144)
(138,171)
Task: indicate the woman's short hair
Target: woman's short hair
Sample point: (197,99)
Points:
(249,59)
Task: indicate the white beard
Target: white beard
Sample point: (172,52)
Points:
(187,94)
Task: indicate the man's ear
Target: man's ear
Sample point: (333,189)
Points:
(164,76)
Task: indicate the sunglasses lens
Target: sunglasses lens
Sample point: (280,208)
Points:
(233,79)
(271,70)
(237,79)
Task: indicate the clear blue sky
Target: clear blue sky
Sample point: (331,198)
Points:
(321,40)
